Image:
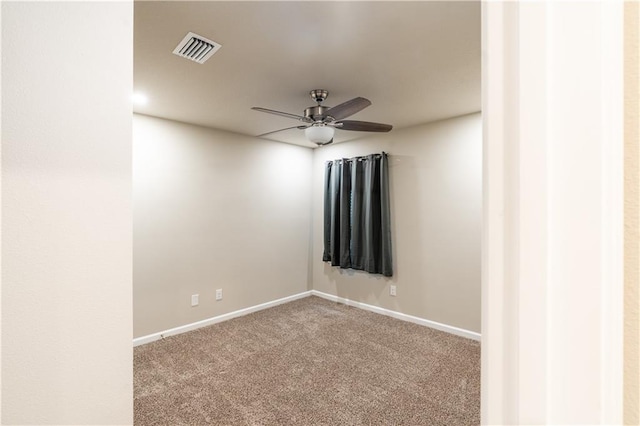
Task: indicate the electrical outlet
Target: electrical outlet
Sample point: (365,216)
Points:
(392,290)
(195,299)
(219,294)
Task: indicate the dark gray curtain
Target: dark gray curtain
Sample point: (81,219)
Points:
(357,223)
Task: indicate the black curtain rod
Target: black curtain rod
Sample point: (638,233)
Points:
(360,158)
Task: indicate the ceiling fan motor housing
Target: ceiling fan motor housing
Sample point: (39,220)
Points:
(316,112)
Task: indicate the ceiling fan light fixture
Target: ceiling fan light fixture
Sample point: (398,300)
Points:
(321,121)
(319,134)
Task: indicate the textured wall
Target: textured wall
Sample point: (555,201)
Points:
(66,213)
(436,199)
(632,215)
(215,210)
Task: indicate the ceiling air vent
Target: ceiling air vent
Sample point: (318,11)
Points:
(196,48)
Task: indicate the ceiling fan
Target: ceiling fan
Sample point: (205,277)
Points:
(321,121)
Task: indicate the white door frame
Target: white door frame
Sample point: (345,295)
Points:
(552,281)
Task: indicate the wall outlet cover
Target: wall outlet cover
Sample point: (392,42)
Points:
(392,290)
(219,294)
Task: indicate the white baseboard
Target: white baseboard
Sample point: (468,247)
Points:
(214,320)
(225,317)
(398,315)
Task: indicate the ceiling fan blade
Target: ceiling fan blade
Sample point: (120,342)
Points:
(282,114)
(348,108)
(282,130)
(363,126)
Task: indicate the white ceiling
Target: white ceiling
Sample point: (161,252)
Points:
(416,61)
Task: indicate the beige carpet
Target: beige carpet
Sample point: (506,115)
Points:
(309,362)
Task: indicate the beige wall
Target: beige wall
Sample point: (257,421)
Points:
(218,210)
(436,200)
(215,210)
(632,216)
(66,213)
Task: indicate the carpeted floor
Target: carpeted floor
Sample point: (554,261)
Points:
(309,362)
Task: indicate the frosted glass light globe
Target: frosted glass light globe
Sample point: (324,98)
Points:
(319,134)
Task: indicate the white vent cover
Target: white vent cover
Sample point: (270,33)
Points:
(196,48)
